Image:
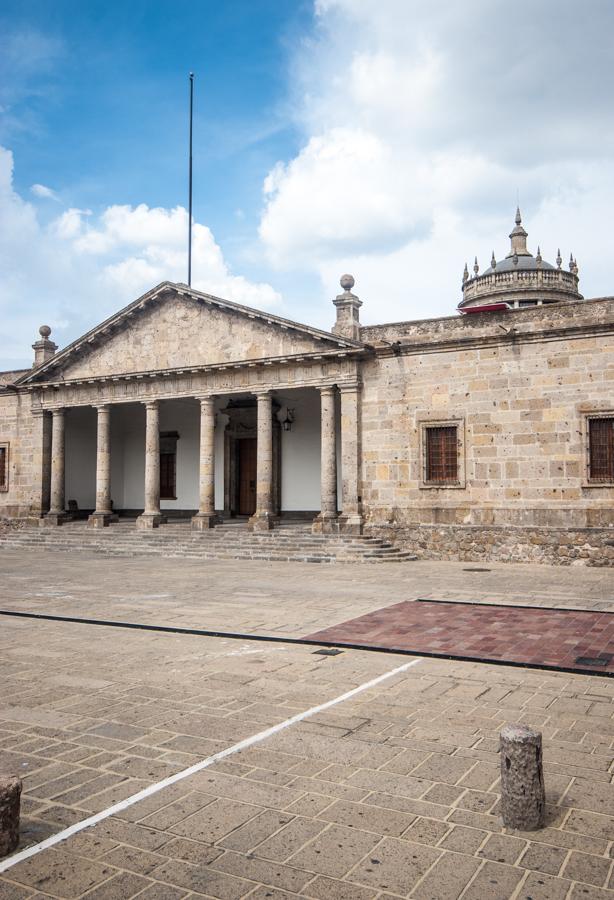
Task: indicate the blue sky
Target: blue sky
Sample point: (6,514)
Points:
(387,138)
(100,110)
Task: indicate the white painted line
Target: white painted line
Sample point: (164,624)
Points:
(197,767)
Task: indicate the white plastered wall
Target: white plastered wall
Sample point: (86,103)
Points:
(300,453)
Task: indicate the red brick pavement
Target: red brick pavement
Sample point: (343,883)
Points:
(525,635)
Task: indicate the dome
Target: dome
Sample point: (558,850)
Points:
(523,262)
(520,279)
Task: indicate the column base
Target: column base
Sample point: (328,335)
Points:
(147,521)
(351,524)
(204,521)
(53,518)
(325,523)
(261,521)
(101,519)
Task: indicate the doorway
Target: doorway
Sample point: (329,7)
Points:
(247,476)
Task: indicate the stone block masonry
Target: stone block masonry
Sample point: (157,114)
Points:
(510,543)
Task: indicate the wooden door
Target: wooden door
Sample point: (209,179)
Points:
(247,476)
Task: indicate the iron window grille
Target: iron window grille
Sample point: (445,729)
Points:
(441,454)
(601,449)
(4,467)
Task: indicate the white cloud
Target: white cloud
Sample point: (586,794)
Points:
(78,268)
(43,192)
(421,123)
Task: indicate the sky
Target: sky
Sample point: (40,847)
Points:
(387,138)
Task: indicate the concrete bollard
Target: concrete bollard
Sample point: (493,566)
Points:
(523,798)
(10,798)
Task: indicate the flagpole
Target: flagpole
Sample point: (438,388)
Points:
(190,185)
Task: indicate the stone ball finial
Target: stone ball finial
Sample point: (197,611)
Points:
(347,282)
(44,331)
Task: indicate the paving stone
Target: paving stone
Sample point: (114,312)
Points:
(216,820)
(334,851)
(539,886)
(585,794)
(132,858)
(61,873)
(368,818)
(287,878)
(502,848)
(395,865)
(494,881)
(543,858)
(590,869)
(589,823)
(589,892)
(159,891)
(447,879)
(119,887)
(322,888)
(175,812)
(426,831)
(201,879)
(464,840)
(255,831)
(193,852)
(289,839)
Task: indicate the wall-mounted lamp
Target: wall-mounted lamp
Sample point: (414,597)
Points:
(287,422)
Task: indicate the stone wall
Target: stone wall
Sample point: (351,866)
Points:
(474,543)
(519,387)
(26,436)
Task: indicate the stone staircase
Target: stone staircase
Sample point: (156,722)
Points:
(288,542)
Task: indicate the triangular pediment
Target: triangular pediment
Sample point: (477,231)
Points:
(172,327)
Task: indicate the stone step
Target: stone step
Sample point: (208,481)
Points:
(288,542)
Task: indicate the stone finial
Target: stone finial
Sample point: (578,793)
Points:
(476,267)
(538,258)
(348,305)
(559,259)
(518,237)
(465,273)
(493,261)
(44,348)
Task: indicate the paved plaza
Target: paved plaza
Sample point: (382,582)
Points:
(392,792)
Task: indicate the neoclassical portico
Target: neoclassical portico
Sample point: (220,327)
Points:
(338,412)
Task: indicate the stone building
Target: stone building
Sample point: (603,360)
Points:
(487,435)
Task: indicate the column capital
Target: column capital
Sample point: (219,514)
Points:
(346,388)
(205,399)
(101,407)
(327,389)
(58,411)
(150,404)
(264,394)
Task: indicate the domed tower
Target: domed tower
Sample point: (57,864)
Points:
(519,280)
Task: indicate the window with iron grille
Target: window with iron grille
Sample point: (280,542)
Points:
(601,449)
(441,454)
(4,467)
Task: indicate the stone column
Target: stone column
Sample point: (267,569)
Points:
(206,518)
(57,511)
(103,514)
(351,518)
(326,522)
(262,519)
(151,516)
